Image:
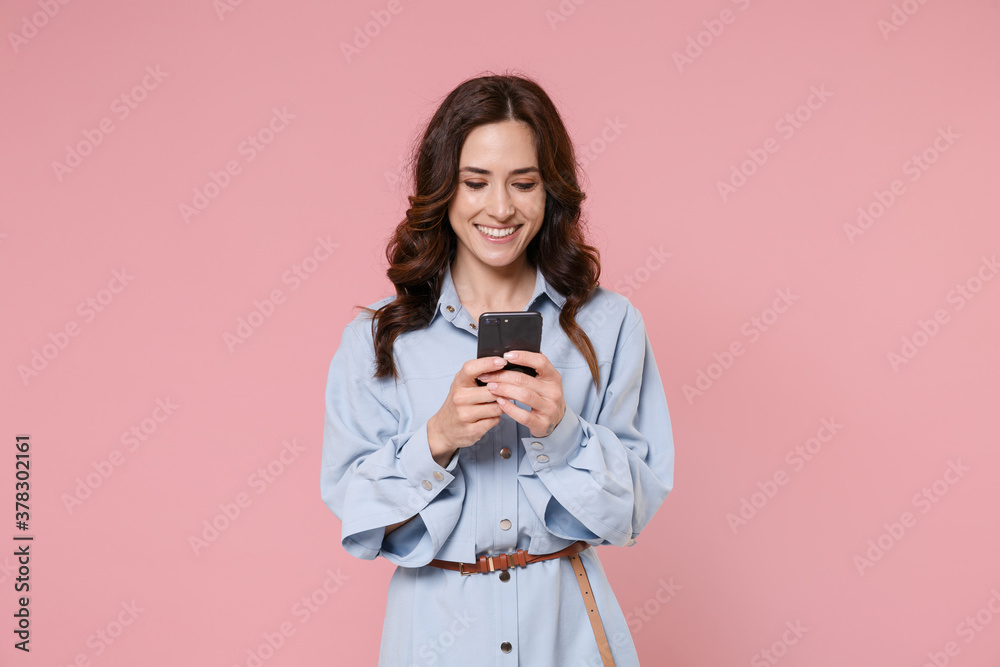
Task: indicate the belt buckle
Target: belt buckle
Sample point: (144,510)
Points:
(489,561)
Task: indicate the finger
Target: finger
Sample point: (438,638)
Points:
(475,367)
(536,360)
(517,392)
(520,415)
(474,415)
(510,377)
(474,396)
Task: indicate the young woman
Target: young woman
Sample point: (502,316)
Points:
(489,498)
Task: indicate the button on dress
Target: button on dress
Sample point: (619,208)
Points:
(599,476)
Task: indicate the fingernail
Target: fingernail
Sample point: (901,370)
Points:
(500,362)
(510,355)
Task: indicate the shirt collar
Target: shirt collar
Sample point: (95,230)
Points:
(449,305)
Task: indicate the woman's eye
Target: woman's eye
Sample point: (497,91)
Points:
(479,185)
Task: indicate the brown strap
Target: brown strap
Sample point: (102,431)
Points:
(592,612)
(521,558)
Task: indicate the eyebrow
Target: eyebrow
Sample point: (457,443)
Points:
(487,172)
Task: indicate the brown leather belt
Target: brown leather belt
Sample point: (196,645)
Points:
(522,558)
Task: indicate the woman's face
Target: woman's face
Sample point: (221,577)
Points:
(500,202)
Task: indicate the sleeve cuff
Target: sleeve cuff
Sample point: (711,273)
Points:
(421,470)
(556,447)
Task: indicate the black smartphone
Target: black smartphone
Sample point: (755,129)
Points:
(503,332)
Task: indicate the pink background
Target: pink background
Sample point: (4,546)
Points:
(662,136)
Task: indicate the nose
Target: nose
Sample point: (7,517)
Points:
(500,204)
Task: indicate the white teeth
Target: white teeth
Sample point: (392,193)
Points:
(496,233)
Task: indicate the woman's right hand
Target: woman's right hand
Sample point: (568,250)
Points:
(468,412)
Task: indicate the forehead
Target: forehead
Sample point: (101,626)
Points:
(499,144)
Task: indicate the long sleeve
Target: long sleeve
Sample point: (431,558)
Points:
(372,474)
(602,480)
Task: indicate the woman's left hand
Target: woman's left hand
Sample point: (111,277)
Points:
(542,393)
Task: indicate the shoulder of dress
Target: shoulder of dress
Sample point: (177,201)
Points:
(361,324)
(611,306)
(363,319)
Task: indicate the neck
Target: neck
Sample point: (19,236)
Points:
(484,288)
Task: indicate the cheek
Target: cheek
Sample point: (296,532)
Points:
(455,208)
(463,205)
(534,206)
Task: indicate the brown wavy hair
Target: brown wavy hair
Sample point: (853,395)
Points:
(424,244)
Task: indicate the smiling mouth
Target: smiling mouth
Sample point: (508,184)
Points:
(497,233)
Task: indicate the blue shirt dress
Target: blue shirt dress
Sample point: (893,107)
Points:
(599,476)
